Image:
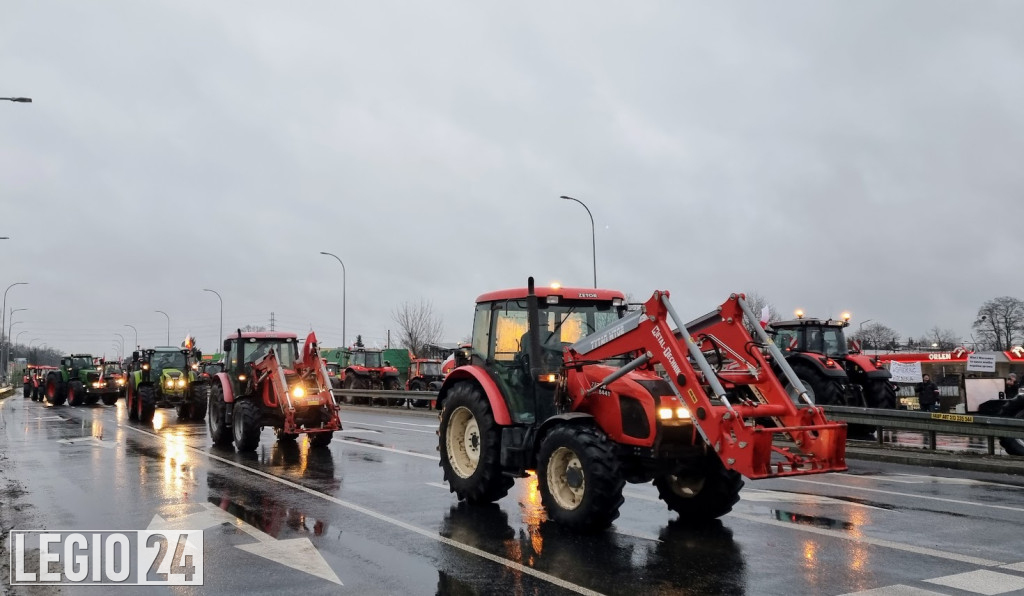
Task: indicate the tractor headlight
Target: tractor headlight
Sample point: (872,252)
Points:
(145,366)
(97,384)
(181,383)
(665,413)
(170,383)
(682,413)
(298,392)
(120,381)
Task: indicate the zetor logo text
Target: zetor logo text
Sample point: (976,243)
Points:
(587,295)
(134,558)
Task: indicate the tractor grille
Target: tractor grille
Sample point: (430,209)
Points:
(634,418)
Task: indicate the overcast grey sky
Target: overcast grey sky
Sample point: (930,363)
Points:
(829,155)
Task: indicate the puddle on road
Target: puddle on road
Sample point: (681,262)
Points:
(270,516)
(816,521)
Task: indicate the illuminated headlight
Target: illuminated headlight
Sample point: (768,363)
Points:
(241,377)
(548,378)
(145,366)
(682,413)
(616,301)
(97,384)
(120,381)
(170,383)
(665,413)
(298,392)
(181,383)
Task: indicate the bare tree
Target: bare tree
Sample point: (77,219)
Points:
(999,322)
(877,336)
(254,328)
(942,339)
(417,325)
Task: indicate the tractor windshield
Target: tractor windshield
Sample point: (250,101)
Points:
(79,363)
(287,352)
(430,369)
(166,360)
(560,324)
(821,339)
(112,369)
(367,359)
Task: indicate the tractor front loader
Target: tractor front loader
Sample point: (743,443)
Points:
(564,381)
(267,383)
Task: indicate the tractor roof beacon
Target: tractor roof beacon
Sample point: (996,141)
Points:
(563,381)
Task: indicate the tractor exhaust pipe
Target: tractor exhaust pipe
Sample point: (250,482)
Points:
(533,313)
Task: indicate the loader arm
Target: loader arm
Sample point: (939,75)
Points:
(731,429)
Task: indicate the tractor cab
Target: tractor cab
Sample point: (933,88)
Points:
(367,358)
(501,342)
(77,363)
(247,348)
(812,335)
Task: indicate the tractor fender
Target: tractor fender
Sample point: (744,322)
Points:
(812,361)
(229,394)
(867,364)
(559,419)
(486,383)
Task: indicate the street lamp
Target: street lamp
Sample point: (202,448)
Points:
(220,343)
(168,325)
(343,343)
(593,234)
(122,346)
(17,99)
(3,321)
(136,334)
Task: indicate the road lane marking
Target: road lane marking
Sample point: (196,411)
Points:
(912,496)
(925,479)
(920,550)
(389,449)
(356,431)
(981,581)
(639,535)
(395,522)
(437,484)
(297,553)
(412,430)
(1015,567)
(895,590)
(411,424)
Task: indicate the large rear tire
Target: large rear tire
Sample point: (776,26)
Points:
(881,394)
(1014,446)
(470,444)
(580,477)
(701,493)
(147,403)
(109,400)
(26,390)
(245,425)
(823,391)
(55,390)
(220,432)
(197,407)
(130,397)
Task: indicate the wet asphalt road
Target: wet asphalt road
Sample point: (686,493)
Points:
(371,513)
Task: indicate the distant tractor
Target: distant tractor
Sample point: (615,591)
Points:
(563,383)
(115,377)
(367,369)
(817,351)
(163,377)
(424,375)
(267,383)
(78,381)
(334,373)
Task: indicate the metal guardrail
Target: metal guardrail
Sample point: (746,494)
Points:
(932,423)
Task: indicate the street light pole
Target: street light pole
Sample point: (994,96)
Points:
(593,234)
(860,332)
(344,344)
(168,325)
(220,345)
(3,321)
(136,335)
(122,346)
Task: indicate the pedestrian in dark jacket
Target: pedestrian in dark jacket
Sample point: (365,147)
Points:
(928,394)
(1012,386)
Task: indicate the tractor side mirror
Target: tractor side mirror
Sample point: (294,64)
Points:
(135,356)
(462,357)
(227,345)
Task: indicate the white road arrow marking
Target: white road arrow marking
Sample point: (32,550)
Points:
(297,553)
(95,441)
(50,418)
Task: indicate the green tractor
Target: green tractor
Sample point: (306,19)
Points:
(165,377)
(79,381)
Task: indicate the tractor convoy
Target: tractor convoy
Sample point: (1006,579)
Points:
(78,380)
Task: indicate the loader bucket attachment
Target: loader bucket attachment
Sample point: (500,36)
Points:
(729,420)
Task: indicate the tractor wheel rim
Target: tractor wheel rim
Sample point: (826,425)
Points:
(462,441)
(567,482)
(686,486)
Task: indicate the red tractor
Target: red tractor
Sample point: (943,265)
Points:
(563,382)
(424,375)
(367,370)
(833,375)
(267,383)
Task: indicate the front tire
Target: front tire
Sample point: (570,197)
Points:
(823,391)
(76,393)
(580,477)
(220,432)
(701,493)
(245,425)
(470,444)
(129,401)
(26,390)
(881,394)
(55,390)
(147,404)
(321,439)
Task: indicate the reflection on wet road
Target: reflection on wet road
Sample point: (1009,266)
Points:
(373,512)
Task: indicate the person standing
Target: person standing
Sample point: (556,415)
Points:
(1012,386)
(928,394)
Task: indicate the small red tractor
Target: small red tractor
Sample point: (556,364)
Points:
(563,382)
(424,375)
(267,383)
(367,369)
(818,352)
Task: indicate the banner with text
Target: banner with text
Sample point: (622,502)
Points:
(905,372)
(981,363)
